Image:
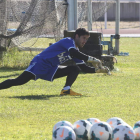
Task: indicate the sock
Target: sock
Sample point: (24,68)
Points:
(66,88)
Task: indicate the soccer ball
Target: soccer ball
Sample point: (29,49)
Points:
(113,122)
(100,131)
(123,132)
(127,125)
(64,133)
(136,129)
(62,123)
(93,120)
(81,128)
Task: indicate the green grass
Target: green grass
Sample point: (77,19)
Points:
(29,112)
(15,59)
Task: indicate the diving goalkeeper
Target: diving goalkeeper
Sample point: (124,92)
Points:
(47,64)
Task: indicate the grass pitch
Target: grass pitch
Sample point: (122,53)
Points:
(29,112)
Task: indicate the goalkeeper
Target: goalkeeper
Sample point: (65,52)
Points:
(47,64)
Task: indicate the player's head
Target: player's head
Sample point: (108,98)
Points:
(81,36)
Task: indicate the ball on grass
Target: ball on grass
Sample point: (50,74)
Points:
(62,123)
(93,120)
(81,128)
(100,131)
(123,132)
(114,121)
(136,129)
(64,133)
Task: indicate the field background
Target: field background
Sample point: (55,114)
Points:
(30,111)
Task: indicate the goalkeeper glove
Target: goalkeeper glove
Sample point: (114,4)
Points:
(103,70)
(95,62)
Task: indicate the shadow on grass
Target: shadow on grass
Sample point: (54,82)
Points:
(43,97)
(7,76)
(35,97)
(15,68)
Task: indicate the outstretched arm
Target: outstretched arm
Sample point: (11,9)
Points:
(99,68)
(86,69)
(77,54)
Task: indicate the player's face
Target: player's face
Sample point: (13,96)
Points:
(80,41)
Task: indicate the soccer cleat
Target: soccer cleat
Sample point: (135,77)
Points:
(69,92)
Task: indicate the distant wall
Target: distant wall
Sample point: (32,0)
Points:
(128,12)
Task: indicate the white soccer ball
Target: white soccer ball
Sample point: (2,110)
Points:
(113,122)
(127,125)
(100,131)
(81,128)
(64,133)
(62,123)
(136,129)
(123,132)
(93,120)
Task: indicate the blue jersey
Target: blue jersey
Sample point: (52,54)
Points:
(45,64)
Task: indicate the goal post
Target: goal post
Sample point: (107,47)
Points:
(89,12)
(72,15)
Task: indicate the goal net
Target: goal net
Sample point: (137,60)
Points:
(99,8)
(23,20)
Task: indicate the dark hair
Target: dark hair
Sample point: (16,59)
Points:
(80,32)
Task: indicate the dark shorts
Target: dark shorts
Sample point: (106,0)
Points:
(42,71)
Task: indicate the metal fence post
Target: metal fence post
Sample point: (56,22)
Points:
(116,49)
